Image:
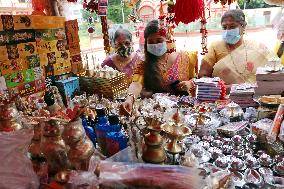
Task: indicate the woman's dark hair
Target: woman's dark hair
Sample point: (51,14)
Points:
(122,31)
(152,76)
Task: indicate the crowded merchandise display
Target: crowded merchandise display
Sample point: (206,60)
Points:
(151,118)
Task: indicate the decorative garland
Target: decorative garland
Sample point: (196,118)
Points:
(93,6)
(162,16)
(170,23)
(107,46)
(203,31)
(224,2)
(167,25)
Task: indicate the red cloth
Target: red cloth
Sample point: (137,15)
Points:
(187,11)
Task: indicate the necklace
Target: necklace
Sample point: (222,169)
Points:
(242,73)
(163,64)
(120,64)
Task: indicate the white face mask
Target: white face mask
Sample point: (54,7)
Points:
(158,49)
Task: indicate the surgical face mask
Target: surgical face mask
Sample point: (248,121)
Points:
(124,51)
(231,36)
(158,49)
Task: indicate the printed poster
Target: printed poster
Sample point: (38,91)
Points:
(72,30)
(10,66)
(74,49)
(17,78)
(23,22)
(27,49)
(12,51)
(46,46)
(29,75)
(40,84)
(33,61)
(38,72)
(27,88)
(14,79)
(48,22)
(43,59)
(3,53)
(7,22)
(50,34)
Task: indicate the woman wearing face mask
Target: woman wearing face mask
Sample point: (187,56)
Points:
(161,72)
(124,59)
(234,59)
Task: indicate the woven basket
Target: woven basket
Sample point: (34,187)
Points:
(109,88)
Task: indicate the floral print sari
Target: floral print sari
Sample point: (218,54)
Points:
(238,65)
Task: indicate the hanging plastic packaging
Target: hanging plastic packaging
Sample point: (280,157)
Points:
(16,171)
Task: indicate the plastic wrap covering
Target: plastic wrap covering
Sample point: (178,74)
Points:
(16,170)
(86,180)
(122,175)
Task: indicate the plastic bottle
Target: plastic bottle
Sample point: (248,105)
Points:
(102,128)
(115,139)
(89,130)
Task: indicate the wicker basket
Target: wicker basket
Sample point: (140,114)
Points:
(109,88)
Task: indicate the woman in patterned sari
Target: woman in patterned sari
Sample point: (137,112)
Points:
(234,59)
(124,59)
(161,72)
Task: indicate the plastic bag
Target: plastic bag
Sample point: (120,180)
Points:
(80,179)
(134,176)
(16,170)
(281,134)
(125,155)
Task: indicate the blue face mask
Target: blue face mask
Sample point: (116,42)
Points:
(231,36)
(158,49)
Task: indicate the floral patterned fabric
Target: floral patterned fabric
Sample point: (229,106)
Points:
(183,69)
(239,65)
(128,69)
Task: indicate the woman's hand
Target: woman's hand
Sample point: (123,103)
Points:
(185,85)
(126,106)
(146,94)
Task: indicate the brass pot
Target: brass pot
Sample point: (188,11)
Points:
(51,127)
(153,154)
(153,150)
(9,125)
(55,151)
(73,133)
(153,138)
(34,149)
(80,154)
(8,111)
